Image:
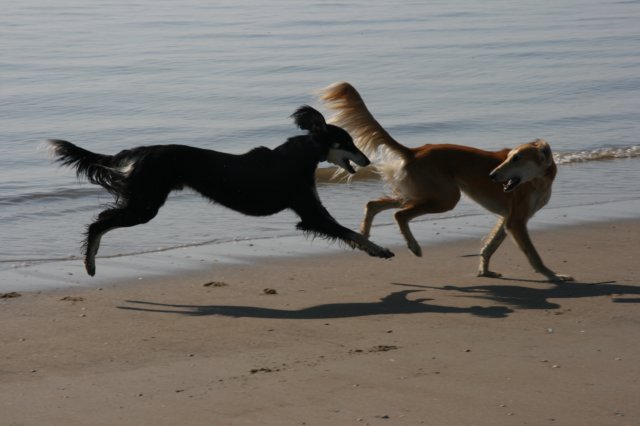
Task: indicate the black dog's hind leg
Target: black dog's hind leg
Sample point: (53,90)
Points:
(119,217)
(315,219)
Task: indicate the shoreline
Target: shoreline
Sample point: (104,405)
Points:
(341,338)
(193,259)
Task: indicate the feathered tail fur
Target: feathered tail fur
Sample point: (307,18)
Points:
(97,168)
(387,154)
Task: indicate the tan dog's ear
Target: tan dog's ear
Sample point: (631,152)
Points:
(545,151)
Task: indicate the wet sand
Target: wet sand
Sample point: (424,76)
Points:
(340,339)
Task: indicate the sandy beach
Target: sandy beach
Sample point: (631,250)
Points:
(341,339)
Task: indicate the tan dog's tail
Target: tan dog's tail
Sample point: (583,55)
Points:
(353,116)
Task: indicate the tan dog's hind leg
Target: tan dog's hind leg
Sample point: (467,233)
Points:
(493,241)
(374,207)
(402,218)
(521,236)
(412,210)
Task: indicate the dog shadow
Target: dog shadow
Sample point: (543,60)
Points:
(521,297)
(395,303)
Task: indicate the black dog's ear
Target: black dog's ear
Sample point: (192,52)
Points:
(309,119)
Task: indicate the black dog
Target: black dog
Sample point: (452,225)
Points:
(259,183)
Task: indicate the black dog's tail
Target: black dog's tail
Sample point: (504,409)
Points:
(99,169)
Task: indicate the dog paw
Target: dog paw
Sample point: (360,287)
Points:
(90,266)
(489,274)
(561,278)
(415,249)
(381,252)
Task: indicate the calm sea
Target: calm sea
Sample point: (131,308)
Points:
(226,75)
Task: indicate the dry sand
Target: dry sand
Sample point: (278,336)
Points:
(343,339)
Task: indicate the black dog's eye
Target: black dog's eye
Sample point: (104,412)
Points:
(515,158)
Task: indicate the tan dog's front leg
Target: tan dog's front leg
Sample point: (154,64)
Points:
(493,241)
(521,236)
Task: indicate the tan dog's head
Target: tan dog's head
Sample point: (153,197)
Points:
(524,163)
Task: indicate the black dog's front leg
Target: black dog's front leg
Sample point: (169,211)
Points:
(316,220)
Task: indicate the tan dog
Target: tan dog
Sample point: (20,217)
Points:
(429,179)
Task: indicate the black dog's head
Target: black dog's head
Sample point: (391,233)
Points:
(340,147)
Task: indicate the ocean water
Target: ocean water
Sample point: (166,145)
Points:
(226,75)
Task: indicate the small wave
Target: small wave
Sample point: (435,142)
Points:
(600,154)
(22,262)
(333,175)
(328,174)
(58,194)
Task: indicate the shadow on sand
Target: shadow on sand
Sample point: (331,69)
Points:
(539,298)
(508,295)
(395,303)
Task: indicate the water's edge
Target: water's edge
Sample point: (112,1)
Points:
(181,261)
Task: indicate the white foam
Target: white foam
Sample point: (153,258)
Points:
(600,154)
